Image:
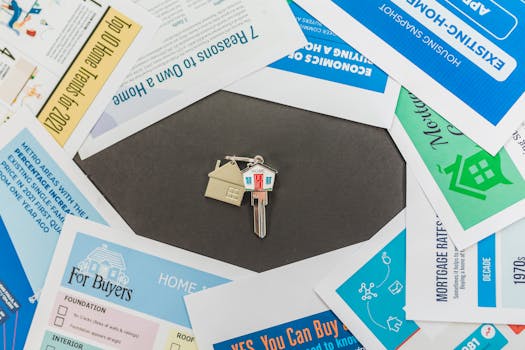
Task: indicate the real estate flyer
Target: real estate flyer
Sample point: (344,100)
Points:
(483,283)
(39,187)
(109,291)
(326,76)
(463,58)
(288,315)
(201,47)
(458,175)
(368,294)
(61,61)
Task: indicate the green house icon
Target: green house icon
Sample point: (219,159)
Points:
(475,175)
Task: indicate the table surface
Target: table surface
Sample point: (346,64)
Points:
(339,182)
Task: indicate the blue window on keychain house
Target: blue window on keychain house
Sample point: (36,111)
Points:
(268,180)
(248,180)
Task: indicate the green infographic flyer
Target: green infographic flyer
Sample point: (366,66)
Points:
(458,175)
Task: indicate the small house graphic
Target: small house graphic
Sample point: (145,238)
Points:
(475,175)
(259,177)
(106,263)
(225,183)
(394,324)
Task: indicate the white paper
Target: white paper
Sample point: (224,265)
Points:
(448,165)
(368,294)
(262,309)
(108,291)
(480,284)
(61,61)
(39,187)
(424,46)
(326,76)
(200,48)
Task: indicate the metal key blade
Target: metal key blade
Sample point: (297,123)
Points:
(259,213)
(260,225)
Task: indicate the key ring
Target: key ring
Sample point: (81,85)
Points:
(251,161)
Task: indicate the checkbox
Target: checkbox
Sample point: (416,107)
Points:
(62,310)
(50,347)
(175,346)
(59,321)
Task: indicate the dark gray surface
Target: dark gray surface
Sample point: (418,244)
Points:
(339,182)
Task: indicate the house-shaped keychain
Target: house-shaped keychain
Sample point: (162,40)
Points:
(226,183)
(259,177)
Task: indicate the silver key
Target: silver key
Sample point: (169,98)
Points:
(259,179)
(259,203)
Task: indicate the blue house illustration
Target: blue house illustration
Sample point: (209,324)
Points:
(106,263)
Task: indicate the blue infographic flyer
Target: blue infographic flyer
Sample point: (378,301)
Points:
(327,56)
(329,67)
(110,291)
(287,316)
(39,187)
(464,58)
(368,293)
